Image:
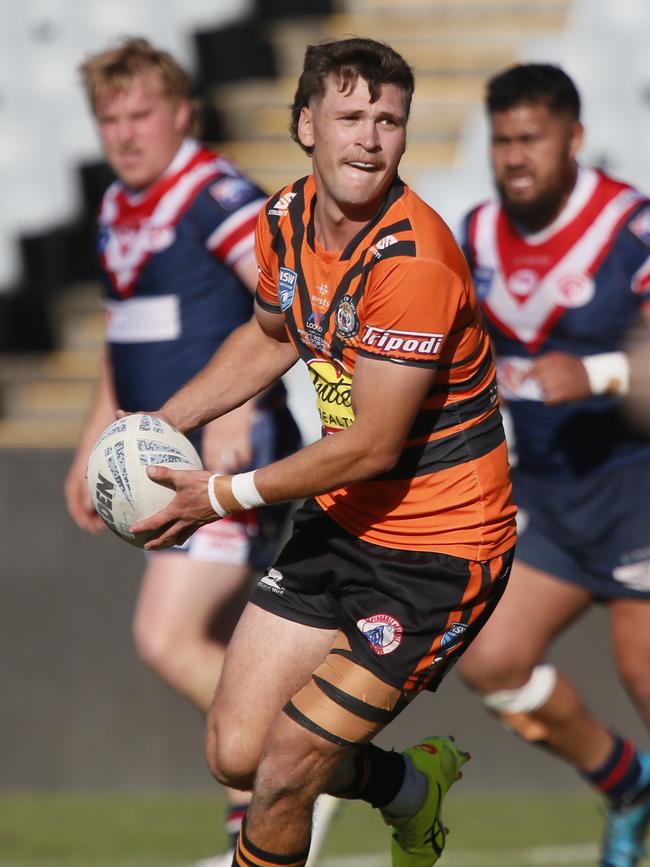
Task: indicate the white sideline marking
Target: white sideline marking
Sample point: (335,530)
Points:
(538,856)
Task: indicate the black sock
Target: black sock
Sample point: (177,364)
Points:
(378,777)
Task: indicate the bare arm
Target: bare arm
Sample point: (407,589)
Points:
(254,356)
(101,414)
(370,446)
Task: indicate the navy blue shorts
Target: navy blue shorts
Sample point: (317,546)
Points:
(592,531)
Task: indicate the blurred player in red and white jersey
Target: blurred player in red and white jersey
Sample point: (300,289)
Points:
(176,245)
(404,545)
(561,263)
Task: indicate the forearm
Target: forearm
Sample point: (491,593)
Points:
(248,362)
(101,413)
(330,463)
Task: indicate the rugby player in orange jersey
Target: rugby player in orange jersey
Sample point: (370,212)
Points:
(404,544)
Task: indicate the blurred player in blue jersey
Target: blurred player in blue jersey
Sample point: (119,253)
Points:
(175,239)
(561,263)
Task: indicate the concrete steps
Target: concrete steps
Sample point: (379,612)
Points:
(453,45)
(45,398)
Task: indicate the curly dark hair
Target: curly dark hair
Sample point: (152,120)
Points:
(349,59)
(532,84)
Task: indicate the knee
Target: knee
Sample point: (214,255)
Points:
(153,645)
(487,667)
(229,757)
(283,775)
(635,675)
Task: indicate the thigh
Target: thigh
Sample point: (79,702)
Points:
(180,596)
(630,620)
(534,608)
(268,660)
(406,617)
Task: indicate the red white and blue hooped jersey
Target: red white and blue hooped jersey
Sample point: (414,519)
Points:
(168,255)
(576,287)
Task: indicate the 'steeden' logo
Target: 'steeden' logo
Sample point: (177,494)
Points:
(287,282)
(411,342)
(281,207)
(382,244)
(271,582)
(383,633)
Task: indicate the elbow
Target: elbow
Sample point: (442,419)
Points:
(378,460)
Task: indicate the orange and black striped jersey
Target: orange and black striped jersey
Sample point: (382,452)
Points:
(400,291)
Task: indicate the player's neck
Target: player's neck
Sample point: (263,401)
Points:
(335,228)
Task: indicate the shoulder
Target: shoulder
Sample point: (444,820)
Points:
(224,186)
(431,241)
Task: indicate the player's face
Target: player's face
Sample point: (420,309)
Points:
(141,129)
(357,145)
(533,153)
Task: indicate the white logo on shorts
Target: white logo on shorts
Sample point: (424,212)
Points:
(383,632)
(269,582)
(636,576)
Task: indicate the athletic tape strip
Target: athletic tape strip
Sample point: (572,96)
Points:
(527,698)
(245,491)
(214,502)
(608,372)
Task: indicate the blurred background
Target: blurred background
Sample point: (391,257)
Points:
(77,710)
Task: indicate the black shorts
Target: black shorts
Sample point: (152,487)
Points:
(404,618)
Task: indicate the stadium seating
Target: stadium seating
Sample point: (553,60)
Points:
(245,55)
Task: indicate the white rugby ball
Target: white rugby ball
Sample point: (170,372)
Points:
(120,489)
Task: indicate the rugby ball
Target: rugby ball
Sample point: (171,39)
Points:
(120,489)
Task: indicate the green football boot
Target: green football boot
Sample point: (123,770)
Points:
(418,841)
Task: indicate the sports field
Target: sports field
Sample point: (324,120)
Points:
(172,831)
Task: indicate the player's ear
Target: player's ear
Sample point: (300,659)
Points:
(183,116)
(306,127)
(576,139)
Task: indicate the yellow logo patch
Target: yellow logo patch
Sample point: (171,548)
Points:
(333,387)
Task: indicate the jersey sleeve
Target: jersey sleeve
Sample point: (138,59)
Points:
(227,209)
(267,283)
(415,306)
(635,243)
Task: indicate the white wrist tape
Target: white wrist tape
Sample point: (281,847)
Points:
(608,372)
(526,698)
(245,492)
(214,502)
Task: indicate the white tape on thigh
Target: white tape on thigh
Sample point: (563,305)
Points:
(527,698)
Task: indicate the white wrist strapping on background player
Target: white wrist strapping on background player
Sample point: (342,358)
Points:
(245,491)
(214,502)
(608,372)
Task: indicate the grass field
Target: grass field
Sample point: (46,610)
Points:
(174,830)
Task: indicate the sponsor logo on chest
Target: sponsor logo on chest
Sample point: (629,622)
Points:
(410,342)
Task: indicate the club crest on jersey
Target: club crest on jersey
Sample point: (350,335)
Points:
(453,635)
(382,632)
(523,282)
(287,283)
(575,290)
(229,191)
(347,323)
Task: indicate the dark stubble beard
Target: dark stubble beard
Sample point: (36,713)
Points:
(536,214)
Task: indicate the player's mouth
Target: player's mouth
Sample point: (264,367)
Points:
(363,166)
(520,183)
